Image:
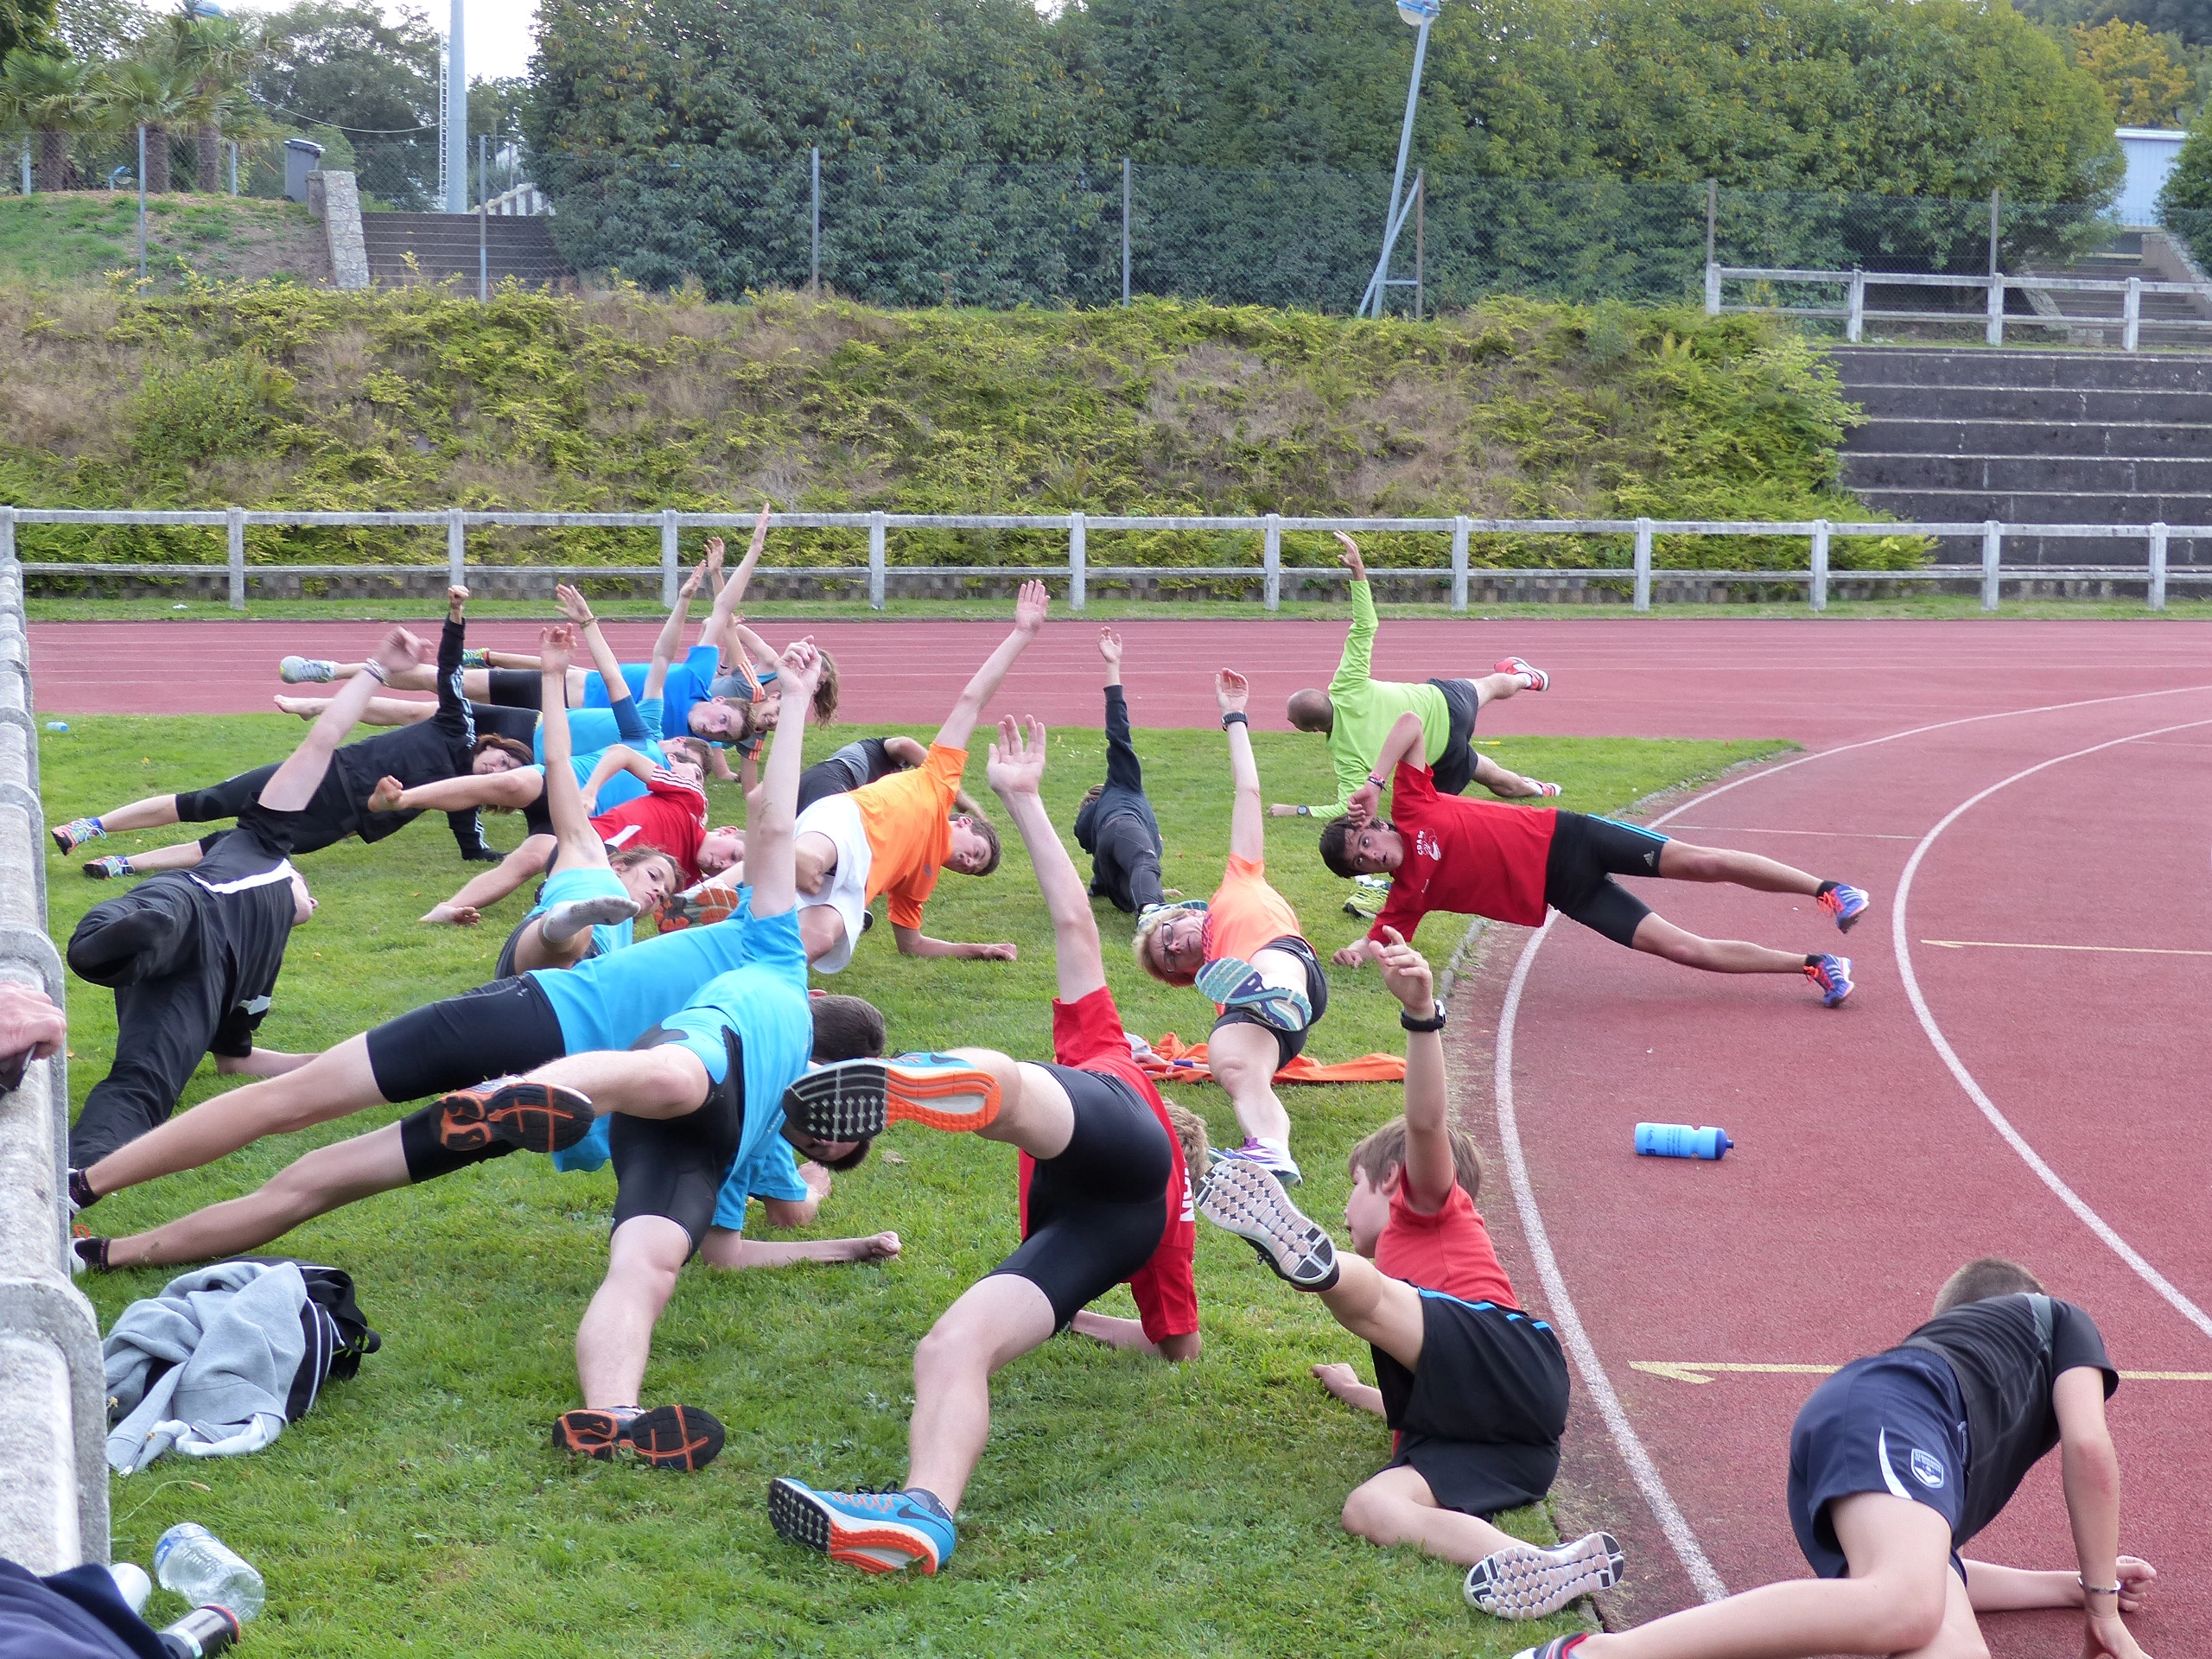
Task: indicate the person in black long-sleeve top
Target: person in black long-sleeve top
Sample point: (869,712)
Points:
(447,744)
(1116,825)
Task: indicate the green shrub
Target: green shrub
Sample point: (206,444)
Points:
(197,412)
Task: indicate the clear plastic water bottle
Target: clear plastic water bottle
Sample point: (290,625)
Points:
(200,1567)
(1680,1141)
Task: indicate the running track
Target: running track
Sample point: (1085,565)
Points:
(2043,783)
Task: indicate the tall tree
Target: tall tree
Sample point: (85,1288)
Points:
(52,98)
(217,53)
(149,93)
(23,23)
(342,64)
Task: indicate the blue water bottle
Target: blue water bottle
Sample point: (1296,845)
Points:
(1681,1140)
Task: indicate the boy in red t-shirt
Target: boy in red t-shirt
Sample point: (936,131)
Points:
(1475,1388)
(1510,864)
(1105,1201)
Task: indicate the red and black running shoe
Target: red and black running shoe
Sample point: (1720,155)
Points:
(528,1117)
(667,1437)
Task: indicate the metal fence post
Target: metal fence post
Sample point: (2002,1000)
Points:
(234,167)
(142,204)
(1712,222)
(456,549)
(1992,552)
(1992,332)
(875,561)
(234,539)
(1644,564)
(669,582)
(814,242)
(483,218)
(1127,194)
(1271,561)
(1996,200)
(7,535)
(1819,564)
(1854,326)
(2131,315)
(2156,595)
(1078,563)
(1712,290)
(27,165)
(1459,563)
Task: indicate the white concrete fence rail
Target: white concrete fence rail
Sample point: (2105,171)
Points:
(1079,572)
(52,1395)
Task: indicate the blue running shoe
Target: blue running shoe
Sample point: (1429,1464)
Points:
(1832,974)
(877,1532)
(1845,904)
(1234,983)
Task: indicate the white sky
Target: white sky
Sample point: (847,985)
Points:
(497,38)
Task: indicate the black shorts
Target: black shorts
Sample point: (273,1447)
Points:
(674,1167)
(1894,1423)
(502,1028)
(329,817)
(1480,1417)
(1290,1045)
(1455,768)
(1586,853)
(840,773)
(515,688)
(1098,1211)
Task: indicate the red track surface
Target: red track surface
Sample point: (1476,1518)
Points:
(1865,1171)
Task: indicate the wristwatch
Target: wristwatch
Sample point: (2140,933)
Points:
(1434,1022)
(1235,717)
(1304,811)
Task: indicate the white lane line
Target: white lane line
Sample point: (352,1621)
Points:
(1699,1371)
(2102,950)
(1644,1472)
(1568,1323)
(2067,1196)
(1831,835)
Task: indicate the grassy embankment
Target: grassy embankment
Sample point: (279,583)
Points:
(83,236)
(1124,1506)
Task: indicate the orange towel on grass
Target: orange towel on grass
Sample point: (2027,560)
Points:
(1173,1060)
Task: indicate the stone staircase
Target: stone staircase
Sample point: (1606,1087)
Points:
(1961,435)
(2173,320)
(445,244)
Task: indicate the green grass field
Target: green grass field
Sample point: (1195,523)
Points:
(1124,1506)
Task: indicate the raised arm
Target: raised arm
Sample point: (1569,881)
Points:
(571,820)
(1403,742)
(1430,1173)
(1028,617)
(1352,668)
(729,596)
(515,788)
(453,644)
(1248,823)
(670,644)
(1016,765)
(769,832)
(577,609)
(294,784)
(616,757)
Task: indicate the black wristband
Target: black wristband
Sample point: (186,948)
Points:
(1434,1022)
(1235,717)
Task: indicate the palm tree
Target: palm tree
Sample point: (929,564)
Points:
(218,52)
(155,93)
(52,98)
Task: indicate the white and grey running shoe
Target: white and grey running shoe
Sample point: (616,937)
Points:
(306,671)
(1525,1582)
(1245,1198)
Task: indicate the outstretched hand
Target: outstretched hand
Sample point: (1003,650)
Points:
(573,604)
(1231,691)
(1406,973)
(400,649)
(1352,955)
(456,601)
(557,649)
(1017,758)
(1029,608)
(715,551)
(1350,557)
(1109,647)
(759,531)
(799,669)
(694,581)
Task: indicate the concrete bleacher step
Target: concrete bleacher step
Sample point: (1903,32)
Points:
(445,245)
(1865,470)
(1866,366)
(2032,437)
(1988,400)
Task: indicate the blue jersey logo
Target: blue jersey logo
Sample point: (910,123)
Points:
(1927,1470)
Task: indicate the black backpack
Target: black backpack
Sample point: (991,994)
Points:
(338,1335)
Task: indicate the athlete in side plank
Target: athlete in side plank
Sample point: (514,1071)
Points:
(1105,1201)
(1509,863)
(1899,1461)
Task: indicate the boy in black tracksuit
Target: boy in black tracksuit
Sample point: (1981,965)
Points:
(192,956)
(1116,825)
(448,744)
(1900,1458)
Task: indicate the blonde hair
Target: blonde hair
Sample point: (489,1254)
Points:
(1141,945)
(1385,1150)
(1190,1131)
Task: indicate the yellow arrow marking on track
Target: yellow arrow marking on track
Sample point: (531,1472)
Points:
(2111,950)
(1693,1371)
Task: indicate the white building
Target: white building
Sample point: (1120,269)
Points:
(2150,153)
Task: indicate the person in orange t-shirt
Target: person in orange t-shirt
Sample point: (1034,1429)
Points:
(1475,1388)
(1243,949)
(893,836)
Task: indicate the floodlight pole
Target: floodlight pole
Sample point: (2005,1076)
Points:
(456,145)
(1370,303)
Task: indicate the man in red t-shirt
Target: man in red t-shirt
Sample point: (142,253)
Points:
(1105,1201)
(1476,1389)
(1510,863)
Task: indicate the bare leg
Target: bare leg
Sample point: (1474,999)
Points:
(1658,936)
(665,1081)
(180,856)
(149,814)
(1034,1111)
(1495,688)
(1680,862)
(335,1082)
(483,891)
(322,1181)
(1242,1059)
(996,1321)
(616,1338)
(1397,1507)
(1901,1598)
(1376,1308)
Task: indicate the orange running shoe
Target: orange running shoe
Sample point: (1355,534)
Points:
(855,1100)
(528,1117)
(667,1437)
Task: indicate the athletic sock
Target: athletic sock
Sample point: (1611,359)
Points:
(1825,888)
(563,921)
(929,1501)
(80,1190)
(92,1252)
(1812,962)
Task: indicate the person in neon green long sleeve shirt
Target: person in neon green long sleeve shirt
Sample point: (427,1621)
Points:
(1356,712)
